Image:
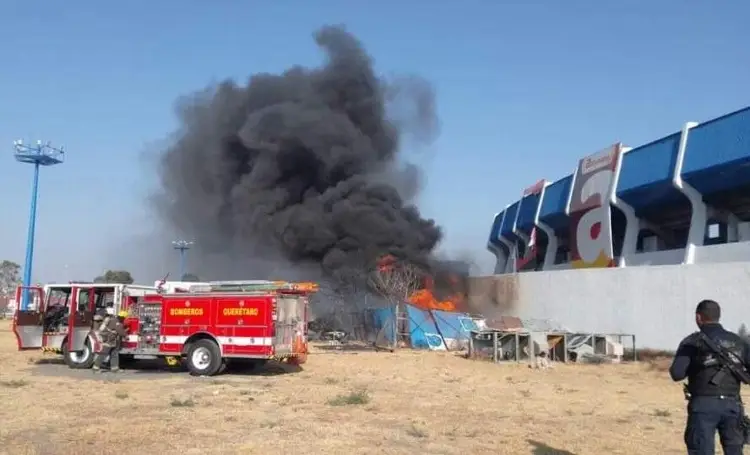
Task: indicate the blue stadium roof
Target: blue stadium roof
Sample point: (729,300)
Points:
(554,203)
(496,224)
(716,163)
(717,157)
(646,174)
(527,212)
(509,221)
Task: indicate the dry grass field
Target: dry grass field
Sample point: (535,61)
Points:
(342,402)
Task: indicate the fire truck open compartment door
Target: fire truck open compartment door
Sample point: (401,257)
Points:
(81,318)
(28,323)
(289,312)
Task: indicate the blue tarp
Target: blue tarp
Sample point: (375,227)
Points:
(454,325)
(428,329)
(423,333)
(383,319)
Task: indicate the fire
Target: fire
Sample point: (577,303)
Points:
(425,298)
(386,263)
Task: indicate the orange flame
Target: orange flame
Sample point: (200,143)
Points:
(386,263)
(424,298)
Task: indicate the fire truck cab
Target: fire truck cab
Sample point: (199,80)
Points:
(204,324)
(60,317)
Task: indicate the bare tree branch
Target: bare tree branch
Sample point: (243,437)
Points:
(396,282)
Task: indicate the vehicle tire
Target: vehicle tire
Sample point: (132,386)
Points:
(204,358)
(81,360)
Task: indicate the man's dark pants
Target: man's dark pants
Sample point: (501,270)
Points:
(114,357)
(706,415)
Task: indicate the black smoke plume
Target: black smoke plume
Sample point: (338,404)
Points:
(302,169)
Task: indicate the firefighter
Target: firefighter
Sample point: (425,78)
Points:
(101,318)
(96,333)
(111,331)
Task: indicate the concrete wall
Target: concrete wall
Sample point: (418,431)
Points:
(723,252)
(663,257)
(656,303)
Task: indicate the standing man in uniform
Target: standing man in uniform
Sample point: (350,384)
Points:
(111,332)
(102,320)
(96,334)
(714,397)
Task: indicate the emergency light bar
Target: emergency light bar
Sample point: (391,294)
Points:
(254,286)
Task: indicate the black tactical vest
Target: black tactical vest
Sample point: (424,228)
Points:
(704,365)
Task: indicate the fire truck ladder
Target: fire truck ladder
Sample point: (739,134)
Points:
(254,286)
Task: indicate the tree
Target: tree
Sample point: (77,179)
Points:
(10,277)
(190,277)
(395,281)
(115,276)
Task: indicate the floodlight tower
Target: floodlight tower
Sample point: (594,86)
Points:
(182,246)
(38,155)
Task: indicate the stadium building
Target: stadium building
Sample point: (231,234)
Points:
(634,236)
(682,199)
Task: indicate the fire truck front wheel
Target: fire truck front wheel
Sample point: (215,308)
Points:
(204,358)
(80,360)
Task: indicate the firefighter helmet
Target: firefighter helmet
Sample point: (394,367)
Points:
(122,314)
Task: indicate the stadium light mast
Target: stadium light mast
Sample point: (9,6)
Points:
(39,155)
(182,246)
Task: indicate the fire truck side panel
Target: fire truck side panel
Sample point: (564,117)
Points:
(183,316)
(53,342)
(242,324)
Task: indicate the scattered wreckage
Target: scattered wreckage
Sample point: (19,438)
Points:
(511,339)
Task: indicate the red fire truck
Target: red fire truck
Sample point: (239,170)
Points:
(206,325)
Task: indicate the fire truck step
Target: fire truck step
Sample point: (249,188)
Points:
(145,357)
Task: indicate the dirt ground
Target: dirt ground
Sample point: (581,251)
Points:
(341,402)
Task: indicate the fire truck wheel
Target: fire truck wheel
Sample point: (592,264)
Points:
(81,360)
(204,358)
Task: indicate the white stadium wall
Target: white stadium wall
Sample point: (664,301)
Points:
(655,303)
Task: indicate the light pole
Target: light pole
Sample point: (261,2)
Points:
(182,246)
(38,155)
